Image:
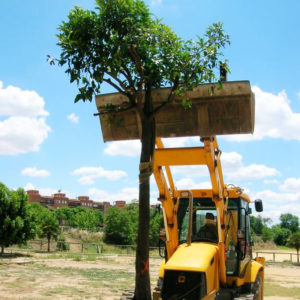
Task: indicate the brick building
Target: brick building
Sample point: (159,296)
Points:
(120,203)
(60,200)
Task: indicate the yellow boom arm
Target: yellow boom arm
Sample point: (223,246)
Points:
(208,155)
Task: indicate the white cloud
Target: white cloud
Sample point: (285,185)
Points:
(34,172)
(29,186)
(190,171)
(274,118)
(233,169)
(180,141)
(189,183)
(88,174)
(290,185)
(17,102)
(276,204)
(133,147)
(298,94)
(73,118)
(155,2)
(125,148)
(126,194)
(271,181)
(24,128)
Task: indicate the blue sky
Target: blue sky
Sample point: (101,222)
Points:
(49,143)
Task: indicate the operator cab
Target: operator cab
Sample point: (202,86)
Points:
(205,229)
(204,224)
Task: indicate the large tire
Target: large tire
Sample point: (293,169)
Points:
(257,288)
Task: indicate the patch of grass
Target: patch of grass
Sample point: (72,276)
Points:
(92,257)
(285,248)
(85,236)
(273,289)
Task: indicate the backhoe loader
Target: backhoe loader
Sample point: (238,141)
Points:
(207,232)
(207,238)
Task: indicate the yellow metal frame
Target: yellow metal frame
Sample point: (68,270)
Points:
(208,155)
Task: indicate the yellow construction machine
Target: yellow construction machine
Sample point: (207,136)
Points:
(207,231)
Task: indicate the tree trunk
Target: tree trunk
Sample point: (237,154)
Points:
(48,244)
(142,281)
(2,250)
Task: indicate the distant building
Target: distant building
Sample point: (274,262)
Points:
(120,203)
(60,200)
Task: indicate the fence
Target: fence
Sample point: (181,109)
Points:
(276,256)
(92,248)
(85,248)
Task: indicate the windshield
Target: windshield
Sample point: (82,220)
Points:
(204,220)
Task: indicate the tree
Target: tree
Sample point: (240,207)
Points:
(16,224)
(49,227)
(85,218)
(123,45)
(155,224)
(267,234)
(281,235)
(119,228)
(294,241)
(256,224)
(290,222)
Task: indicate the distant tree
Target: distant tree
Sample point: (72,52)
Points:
(85,218)
(62,244)
(290,222)
(294,242)
(132,210)
(281,235)
(49,227)
(65,215)
(155,223)
(123,45)
(119,228)
(99,216)
(256,224)
(16,224)
(267,234)
(37,211)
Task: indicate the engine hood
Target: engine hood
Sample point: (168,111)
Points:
(195,257)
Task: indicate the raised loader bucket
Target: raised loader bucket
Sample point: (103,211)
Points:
(229,110)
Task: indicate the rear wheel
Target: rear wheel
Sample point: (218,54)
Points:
(257,288)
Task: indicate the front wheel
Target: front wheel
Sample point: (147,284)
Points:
(257,288)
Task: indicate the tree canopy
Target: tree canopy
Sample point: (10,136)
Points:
(290,222)
(16,223)
(294,242)
(123,44)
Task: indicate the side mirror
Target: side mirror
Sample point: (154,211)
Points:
(258,205)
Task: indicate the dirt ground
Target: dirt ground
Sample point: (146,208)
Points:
(104,278)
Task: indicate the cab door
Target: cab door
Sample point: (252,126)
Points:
(244,237)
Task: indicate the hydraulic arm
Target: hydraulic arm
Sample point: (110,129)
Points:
(208,155)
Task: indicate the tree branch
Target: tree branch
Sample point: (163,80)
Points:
(175,86)
(118,80)
(138,64)
(111,111)
(116,87)
(127,75)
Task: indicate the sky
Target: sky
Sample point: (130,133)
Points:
(49,143)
